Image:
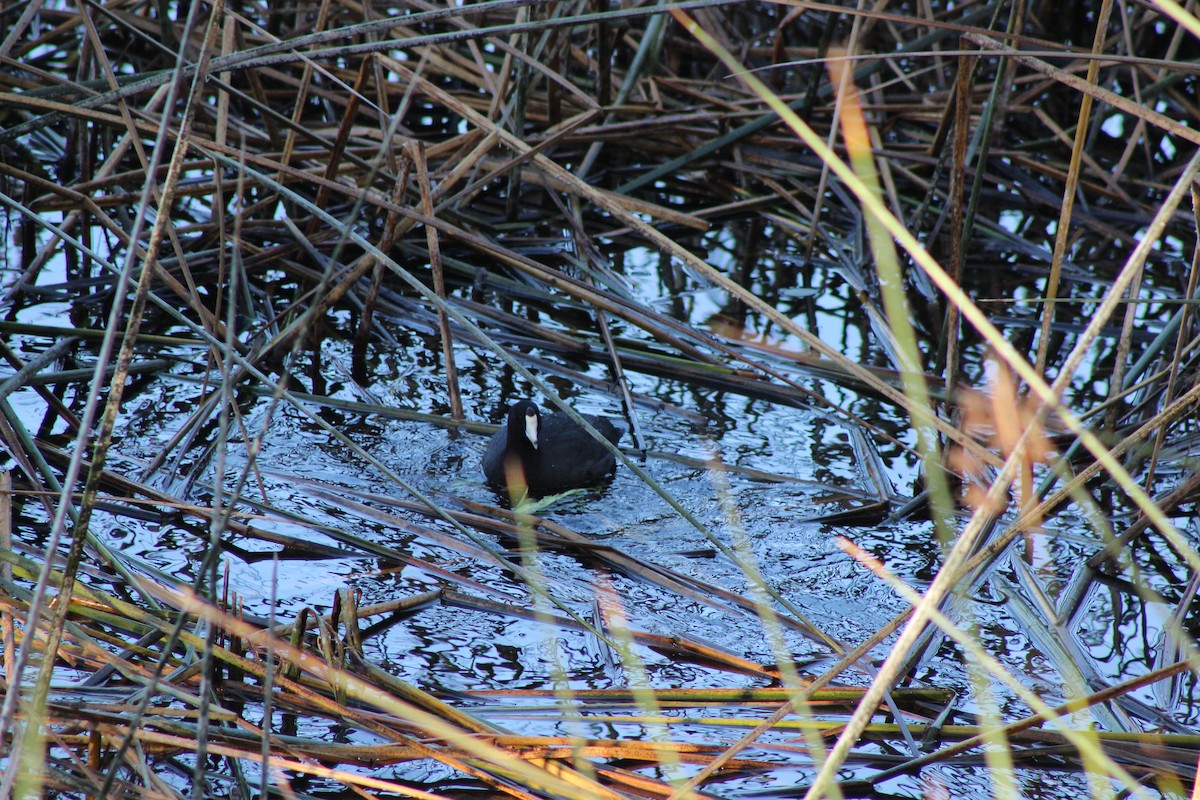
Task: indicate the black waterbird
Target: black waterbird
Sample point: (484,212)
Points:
(548,453)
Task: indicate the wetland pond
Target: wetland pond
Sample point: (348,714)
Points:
(355,259)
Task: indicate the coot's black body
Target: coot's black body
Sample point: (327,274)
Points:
(552,452)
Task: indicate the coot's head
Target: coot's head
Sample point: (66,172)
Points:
(524,423)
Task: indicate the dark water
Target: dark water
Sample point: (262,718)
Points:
(307,485)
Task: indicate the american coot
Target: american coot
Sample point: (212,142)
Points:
(549,453)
